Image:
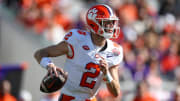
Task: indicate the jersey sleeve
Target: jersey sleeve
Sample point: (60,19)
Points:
(118,56)
(71,39)
(74,36)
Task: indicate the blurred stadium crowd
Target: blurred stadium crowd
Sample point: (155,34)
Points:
(150,36)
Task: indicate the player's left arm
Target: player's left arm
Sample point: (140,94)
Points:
(110,71)
(114,85)
(111,77)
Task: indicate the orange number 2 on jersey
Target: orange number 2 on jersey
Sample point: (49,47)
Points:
(68,35)
(85,76)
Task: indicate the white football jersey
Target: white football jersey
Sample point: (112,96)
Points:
(84,75)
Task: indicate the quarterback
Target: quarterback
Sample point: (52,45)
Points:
(92,58)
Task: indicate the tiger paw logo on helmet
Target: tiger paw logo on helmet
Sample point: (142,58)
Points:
(92,13)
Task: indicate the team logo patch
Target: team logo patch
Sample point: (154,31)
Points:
(85,47)
(116,52)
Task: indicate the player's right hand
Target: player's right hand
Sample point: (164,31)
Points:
(53,68)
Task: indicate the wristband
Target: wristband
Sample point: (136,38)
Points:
(45,61)
(108,77)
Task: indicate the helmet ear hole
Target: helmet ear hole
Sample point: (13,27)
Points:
(91,25)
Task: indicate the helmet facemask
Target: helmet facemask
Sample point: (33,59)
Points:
(108,28)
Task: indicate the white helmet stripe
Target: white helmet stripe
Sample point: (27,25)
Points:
(110,10)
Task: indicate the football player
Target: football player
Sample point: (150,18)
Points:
(92,58)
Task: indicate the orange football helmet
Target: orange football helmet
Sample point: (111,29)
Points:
(102,20)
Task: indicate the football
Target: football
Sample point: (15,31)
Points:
(51,83)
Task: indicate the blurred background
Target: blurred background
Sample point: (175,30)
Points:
(150,37)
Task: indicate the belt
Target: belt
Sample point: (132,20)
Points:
(65,97)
